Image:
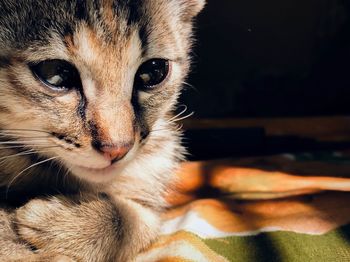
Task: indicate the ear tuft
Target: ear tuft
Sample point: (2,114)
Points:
(192,8)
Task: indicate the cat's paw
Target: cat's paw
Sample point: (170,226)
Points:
(89,228)
(47,258)
(84,229)
(34,221)
(60,258)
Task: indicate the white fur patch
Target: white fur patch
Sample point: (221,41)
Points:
(82,41)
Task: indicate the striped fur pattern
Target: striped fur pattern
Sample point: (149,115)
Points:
(104,211)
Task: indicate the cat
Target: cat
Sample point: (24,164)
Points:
(88,140)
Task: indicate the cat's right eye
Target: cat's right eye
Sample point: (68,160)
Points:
(57,74)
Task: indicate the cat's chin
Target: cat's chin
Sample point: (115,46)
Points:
(97,175)
(97,172)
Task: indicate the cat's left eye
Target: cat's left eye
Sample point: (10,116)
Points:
(57,74)
(151,74)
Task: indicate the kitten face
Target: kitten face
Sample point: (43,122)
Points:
(92,83)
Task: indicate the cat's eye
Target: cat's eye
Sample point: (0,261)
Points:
(151,73)
(57,74)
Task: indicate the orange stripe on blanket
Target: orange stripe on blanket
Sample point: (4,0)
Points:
(242,179)
(318,214)
(247,180)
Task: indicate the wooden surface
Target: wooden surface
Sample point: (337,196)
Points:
(335,129)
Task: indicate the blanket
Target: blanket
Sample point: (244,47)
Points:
(291,207)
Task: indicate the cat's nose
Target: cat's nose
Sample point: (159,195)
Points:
(115,152)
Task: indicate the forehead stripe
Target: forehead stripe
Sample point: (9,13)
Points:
(143,34)
(129,8)
(81,10)
(132,11)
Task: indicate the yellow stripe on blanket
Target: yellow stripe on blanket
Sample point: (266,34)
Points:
(181,246)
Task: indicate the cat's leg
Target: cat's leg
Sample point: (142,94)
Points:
(12,249)
(88,228)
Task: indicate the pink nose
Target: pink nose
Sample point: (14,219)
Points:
(115,152)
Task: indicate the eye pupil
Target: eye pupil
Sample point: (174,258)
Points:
(151,74)
(57,74)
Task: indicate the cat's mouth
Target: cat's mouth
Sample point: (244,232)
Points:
(100,173)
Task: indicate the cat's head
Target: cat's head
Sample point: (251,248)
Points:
(91,83)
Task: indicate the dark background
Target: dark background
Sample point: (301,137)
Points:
(271,58)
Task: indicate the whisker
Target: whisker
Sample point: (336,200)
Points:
(159,130)
(12,147)
(44,147)
(24,130)
(22,137)
(24,170)
(26,146)
(182,118)
(190,86)
(180,127)
(179,114)
(59,170)
(28,152)
(24,153)
(20,142)
(65,176)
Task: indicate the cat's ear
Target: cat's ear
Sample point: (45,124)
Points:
(191,8)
